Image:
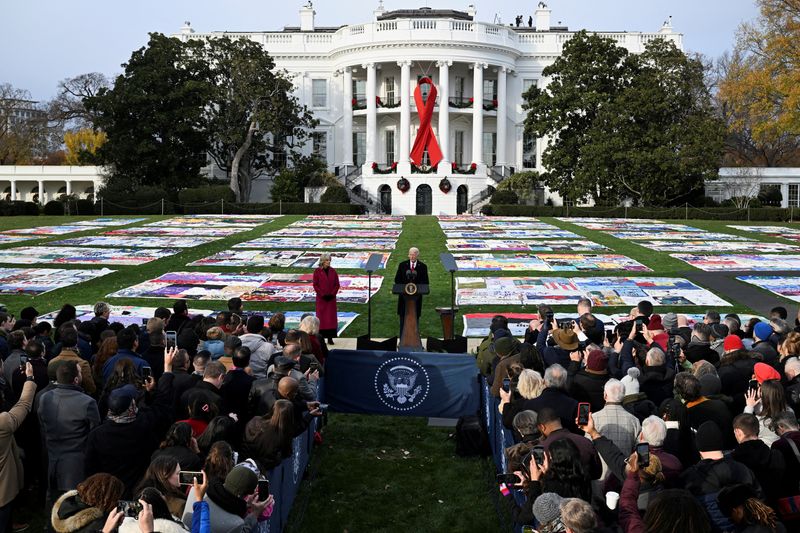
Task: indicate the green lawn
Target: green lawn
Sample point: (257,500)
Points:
(372,473)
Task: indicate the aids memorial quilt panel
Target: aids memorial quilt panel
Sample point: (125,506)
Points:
(718,246)
(306,243)
(50,230)
(788,287)
(108,221)
(506,245)
(333,232)
(347,224)
(547,262)
(172,231)
(15,239)
(719,263)
(133,241)
(676,236)
(35,281)
(250,258)
(773,231)
(512,234)
(69,255)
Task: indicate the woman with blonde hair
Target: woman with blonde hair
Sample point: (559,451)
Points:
(326,285)
(528,387)
(214,343)
(310,326)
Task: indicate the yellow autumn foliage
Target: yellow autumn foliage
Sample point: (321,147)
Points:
(762,86)
(83,140)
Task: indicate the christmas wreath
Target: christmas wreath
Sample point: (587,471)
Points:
(378,170)
(471,170)
(403,185)
(445,186)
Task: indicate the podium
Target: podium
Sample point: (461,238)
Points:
(410,340)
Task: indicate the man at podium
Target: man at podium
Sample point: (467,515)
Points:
(411,271)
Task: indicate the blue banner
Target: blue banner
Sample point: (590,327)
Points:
(409,384)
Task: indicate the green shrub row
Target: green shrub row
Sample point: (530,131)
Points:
(760,214)
(201,195)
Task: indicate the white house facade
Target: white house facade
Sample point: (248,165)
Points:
(360,81)
(41,184)
(750,181)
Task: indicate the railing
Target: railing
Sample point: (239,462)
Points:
(480,197)
(498,176)
(408,30)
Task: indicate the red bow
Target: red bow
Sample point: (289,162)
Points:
(425,137)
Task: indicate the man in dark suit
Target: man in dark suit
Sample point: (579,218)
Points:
(410,271)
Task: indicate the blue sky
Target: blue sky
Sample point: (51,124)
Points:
(44,41)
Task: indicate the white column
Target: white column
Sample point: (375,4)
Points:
(41,192)
(372,117)
(477,115)
(403,164)
(69,187)
(784,195)
(13,190)
(444,117)
(501,149)
(347,118)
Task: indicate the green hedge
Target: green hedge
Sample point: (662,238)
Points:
(503,197)
(145,201)
(200,195)
(285,208)
(335,195)
(762,214)
(18,208)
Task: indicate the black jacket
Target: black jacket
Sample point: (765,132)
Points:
(657,382)
(205,392)
(188,460)
(717,412)
(123,450)
(769,467)
(235,391)
(560,401)
(421,278)
(587,386)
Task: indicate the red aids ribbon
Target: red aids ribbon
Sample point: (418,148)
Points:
(425,137)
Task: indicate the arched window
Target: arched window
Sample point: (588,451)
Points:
(462,199)
(424,200)
(385,192)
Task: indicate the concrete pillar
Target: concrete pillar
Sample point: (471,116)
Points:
(501,150)
(444,117)
(69,187)
(477,114)
(784,195)
(372,117)
(403,164)
(13,190)
(41,192)
(347,120)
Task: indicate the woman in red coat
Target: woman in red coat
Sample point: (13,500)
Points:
(326,285)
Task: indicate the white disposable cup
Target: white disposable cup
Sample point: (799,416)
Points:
(612,498)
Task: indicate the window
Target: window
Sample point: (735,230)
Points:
(528,151)
(489,144)
(389,145)
(390,92)
(458,87)
(320,145)
(319,93)
(360,91)
(459,148)
(527,84)
(794,195)
(425,89)
(489,91)
(359,147)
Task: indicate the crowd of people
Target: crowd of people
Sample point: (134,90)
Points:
(171,425)
(655,425)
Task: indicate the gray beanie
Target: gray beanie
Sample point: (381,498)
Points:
(669,321)
(546,508)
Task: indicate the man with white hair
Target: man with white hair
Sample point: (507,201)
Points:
(613,421)
(791,369)
(555,397)
(411,271)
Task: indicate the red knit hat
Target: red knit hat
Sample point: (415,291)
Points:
(731,343)
(597,361)
(662,339)
(655,323)
(764,372)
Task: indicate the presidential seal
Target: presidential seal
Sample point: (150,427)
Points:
(402,383)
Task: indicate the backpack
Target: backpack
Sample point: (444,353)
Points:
(471,437)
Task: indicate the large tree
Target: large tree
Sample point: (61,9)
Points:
(27,136)
(255,124)
(69,108)
(625,126)
(154,117)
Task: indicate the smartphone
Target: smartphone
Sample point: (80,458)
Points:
(313,367)
(506,384)
(147,372)
(144,321)
(23,360)
(323,407)
(508,479)
(538,454)
(583,413)
(172,339)
(129,508)
(187,478)
(643,451)
(752,385)
(528,529)
(263,489)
